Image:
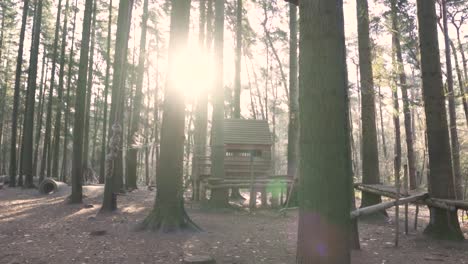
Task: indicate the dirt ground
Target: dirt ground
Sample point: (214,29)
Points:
(44,229)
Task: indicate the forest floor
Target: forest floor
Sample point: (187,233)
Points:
(44,229)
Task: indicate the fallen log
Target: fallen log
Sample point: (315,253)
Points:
(49,186)
(382,206)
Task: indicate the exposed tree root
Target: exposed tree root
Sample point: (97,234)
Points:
(444,225)
(165,220)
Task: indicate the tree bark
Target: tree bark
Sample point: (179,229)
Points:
(201,114)
(293,126)
(58,117)
(67,99)
(235,193)
(16,97)
(86,163)
(219,197)
(133,133)
(404,91)
(238,60)
(325,167)
(460,81)
(382,129)
(28,127)
(113,177)
(168,214)
(3,93)
(443,224)
(455,147)
(46,150)
(370,155)
(42,87)
(78,126)
(106,93)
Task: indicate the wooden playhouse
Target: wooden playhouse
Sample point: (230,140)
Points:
(247,162)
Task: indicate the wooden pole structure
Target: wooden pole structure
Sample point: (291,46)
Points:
(397,208)
(445,204)
(382,206)
(405,192)
(416,217)
(253,193)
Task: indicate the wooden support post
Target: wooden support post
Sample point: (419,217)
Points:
(281,196)
(253,192)
(405,192)
(202,192)
(416,217)
(397,209)
(264,196)
(196,180)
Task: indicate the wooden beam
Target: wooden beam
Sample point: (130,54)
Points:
(241,186)
(459,204)
(446,204)
(373,190)
(382,206)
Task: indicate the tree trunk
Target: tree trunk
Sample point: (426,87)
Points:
(133,133)
(219,197)
(28,128)
(2,114)
(238,61)
(457,181)
(396,124)
(86,163)
(106,93)
(325,167)
(113,177)
(78,127)
(168,214)
(443,224)
(58,117)
(42,87)
(464,61)
(16,97)
(293,126)
(46,150)
(404,91)
(67,99)
(3,93)
(370,155)
(382,129)
(460,81)
(235,193)
(201,114)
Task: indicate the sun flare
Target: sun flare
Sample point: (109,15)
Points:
(192,72)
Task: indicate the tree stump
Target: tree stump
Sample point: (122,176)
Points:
(199,260)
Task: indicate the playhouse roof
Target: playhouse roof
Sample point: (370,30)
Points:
(246,132)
